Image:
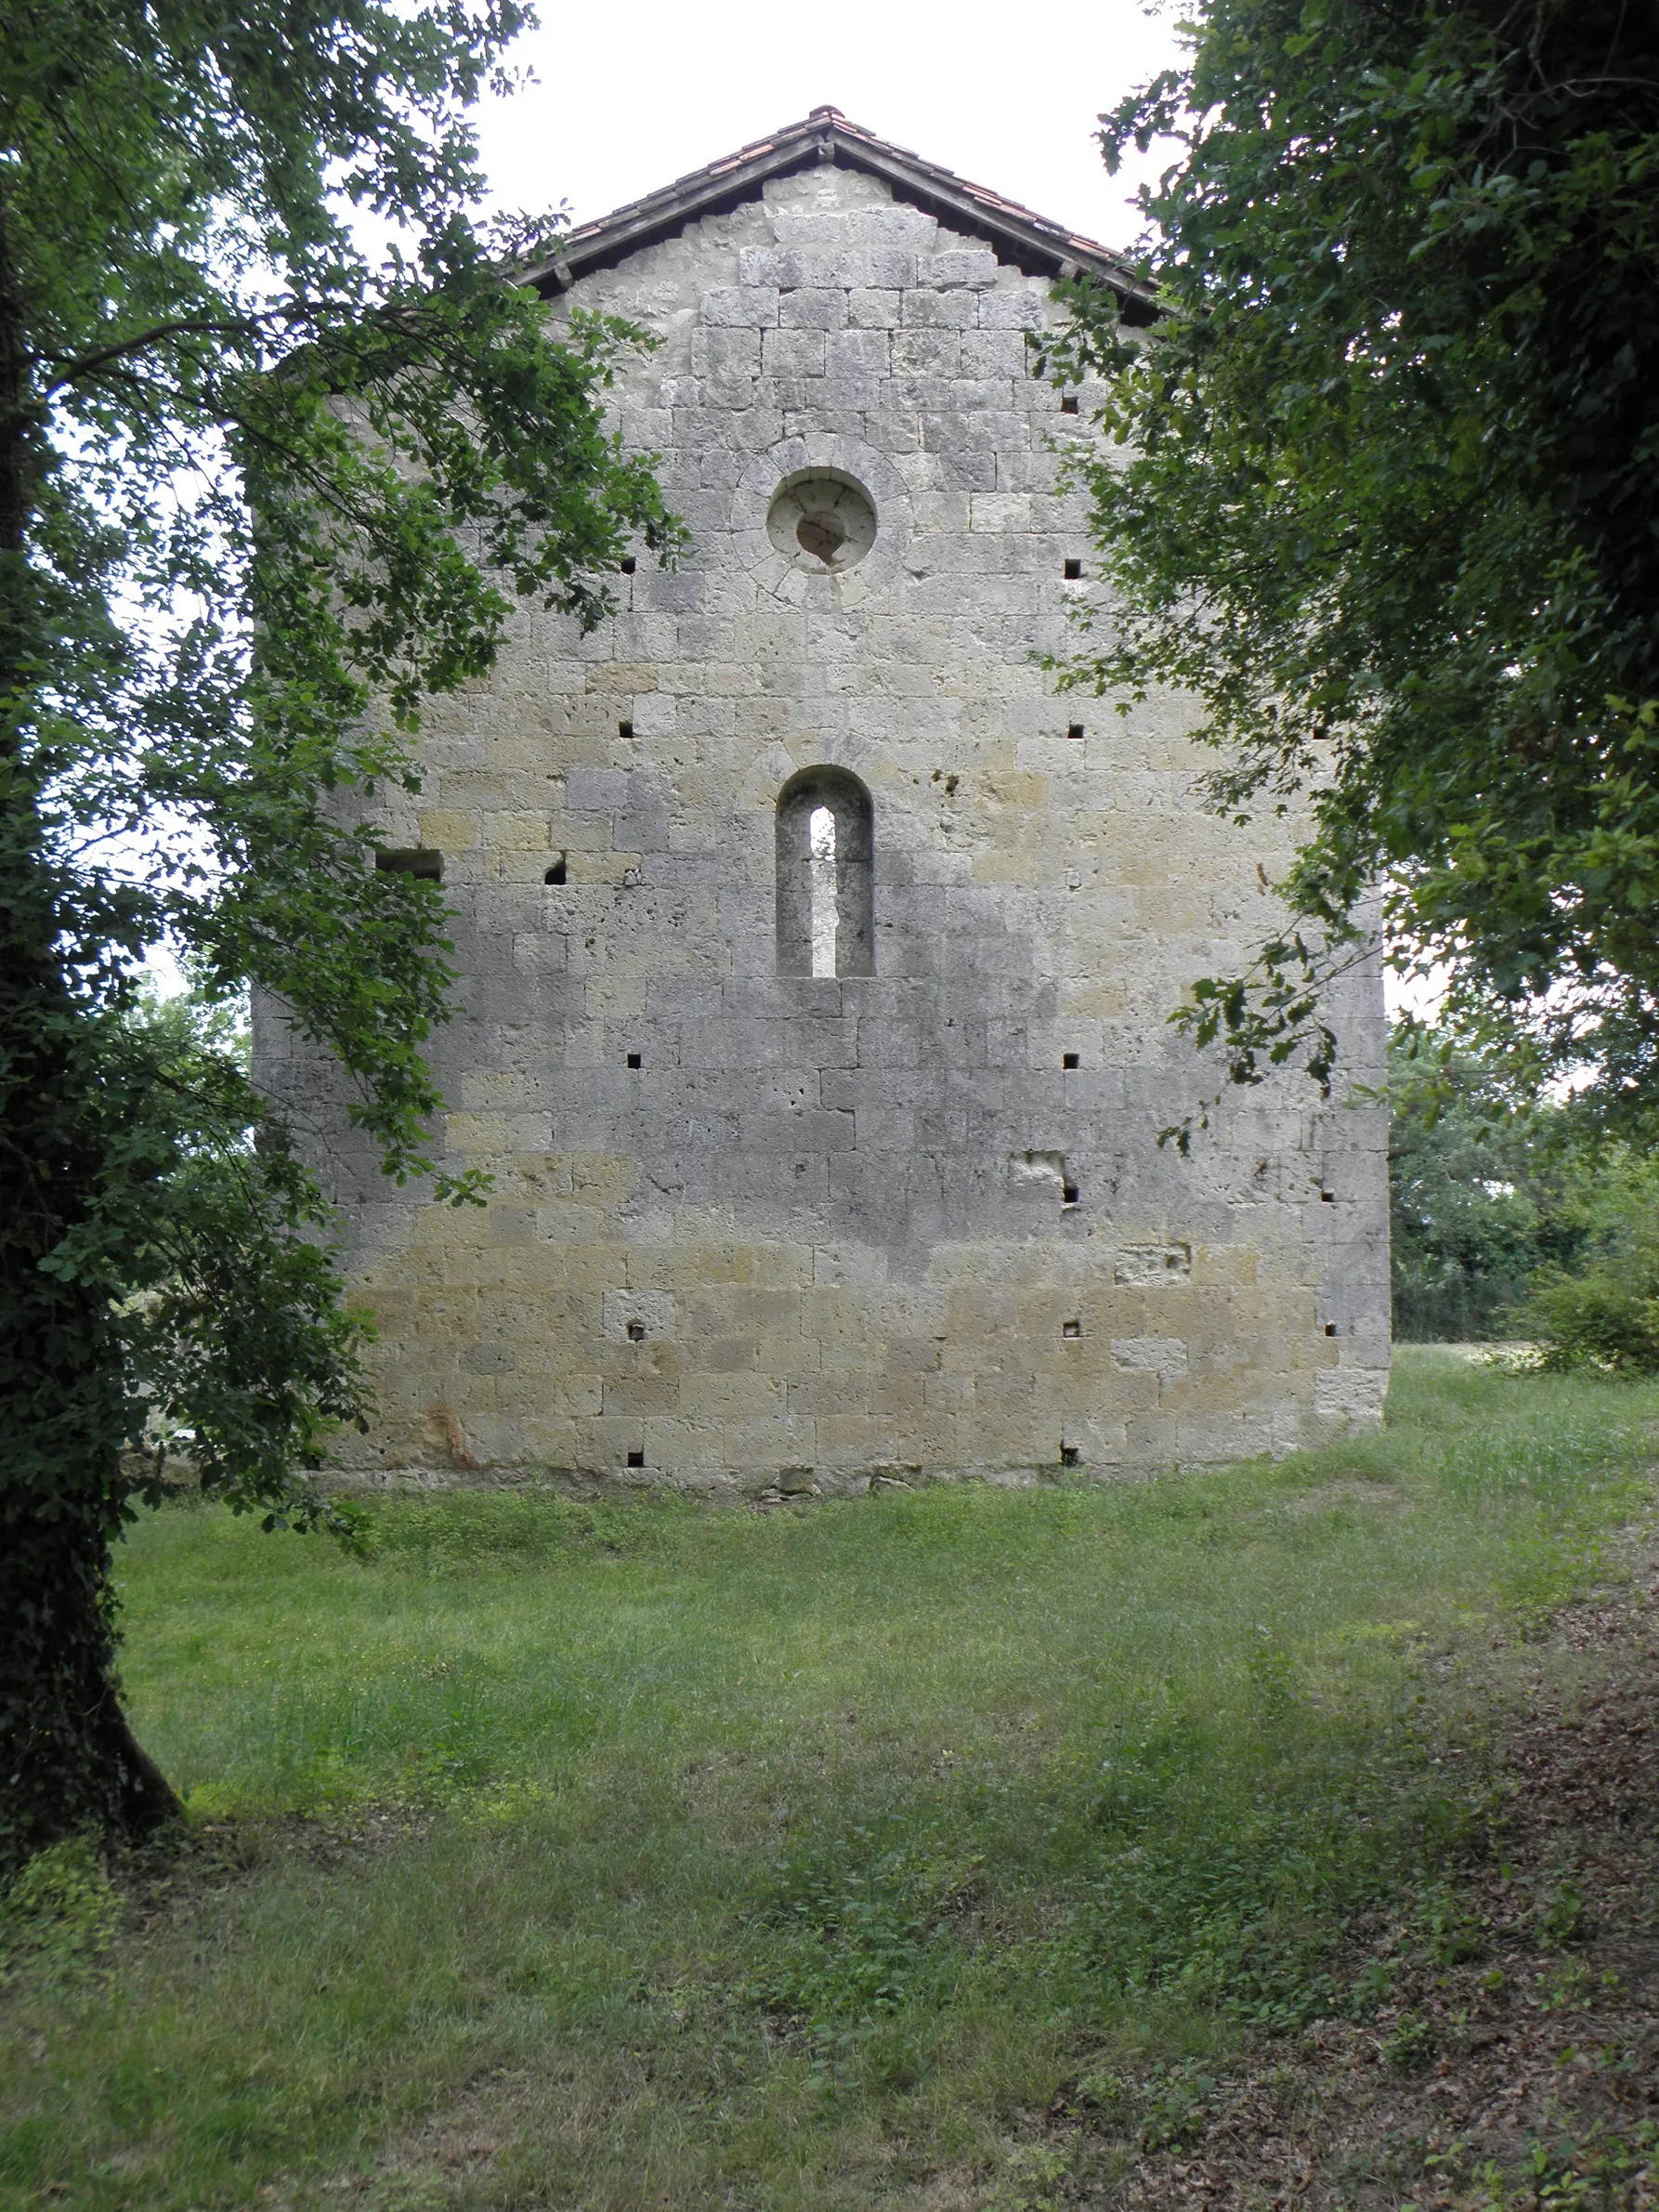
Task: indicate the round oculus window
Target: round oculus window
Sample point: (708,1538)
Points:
(821,523)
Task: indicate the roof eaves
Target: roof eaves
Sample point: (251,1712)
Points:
(1040,247)
(707,191)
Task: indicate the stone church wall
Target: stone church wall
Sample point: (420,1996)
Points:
(763,1229)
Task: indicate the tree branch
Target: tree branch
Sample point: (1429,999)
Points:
(246,326)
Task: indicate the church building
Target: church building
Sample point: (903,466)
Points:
(817,955)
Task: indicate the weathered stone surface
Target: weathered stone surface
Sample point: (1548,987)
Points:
(832,1227)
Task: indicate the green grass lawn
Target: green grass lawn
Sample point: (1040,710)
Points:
(649,1854)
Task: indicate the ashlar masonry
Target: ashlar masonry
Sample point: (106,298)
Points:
(816,955)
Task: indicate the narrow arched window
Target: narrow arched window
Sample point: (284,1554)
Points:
(825,918)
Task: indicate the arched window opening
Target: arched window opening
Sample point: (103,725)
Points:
(821,846)
(826,920)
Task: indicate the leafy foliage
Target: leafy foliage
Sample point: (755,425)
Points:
(1517,1217)
(1483,1191)
(870,1923)
(1604,1315)
(1382,491)
(191,336)
(60,1911)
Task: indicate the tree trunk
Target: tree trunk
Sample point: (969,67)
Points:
(66,1756)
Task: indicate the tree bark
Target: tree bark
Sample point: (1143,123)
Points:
(68,1759)
(146,1801)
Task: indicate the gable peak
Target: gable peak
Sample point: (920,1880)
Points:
(1017,234)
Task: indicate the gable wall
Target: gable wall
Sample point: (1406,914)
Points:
(834,1205)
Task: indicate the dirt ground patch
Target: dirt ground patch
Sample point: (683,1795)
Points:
(1514,2060)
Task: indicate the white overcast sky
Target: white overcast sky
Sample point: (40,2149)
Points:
(630,97)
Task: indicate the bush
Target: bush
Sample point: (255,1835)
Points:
(1476,1187)
(1514,1216)
(61,1910)
(1607,1318)
(1604,1315)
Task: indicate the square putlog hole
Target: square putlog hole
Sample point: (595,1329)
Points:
(1069,1455)
(557,873)
(1068,404)
(1071,1060)
(625,729)
(1074,731)
(637,1458)
(1071,1329)
(1074,571)
(636,1332)
(635,1060)
(1068,1195)
(628,564)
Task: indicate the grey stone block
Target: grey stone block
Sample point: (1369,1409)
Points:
(969,266)
(744,306)
(595,791)
(787,353)
(924,309)
(821,311)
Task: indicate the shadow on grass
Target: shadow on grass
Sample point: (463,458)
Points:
(648,1853)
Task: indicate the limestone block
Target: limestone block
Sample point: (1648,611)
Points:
(972,266)
(1225,1264)
(725,352)
(924,309)
(793,352)
(727,1355)
(1351,1397)
(870,308)
(634,1394)
(767,267)
(901,1399)
(1205,1440)
(1011,310)
(816,310)
(891,228)
(447,830)
(1156,1266)
(922,354)
(995,353)
(507,829)
(638,1316)
(733,1396)
(850,354)
(1165,1356)
(595,791)
(739,306)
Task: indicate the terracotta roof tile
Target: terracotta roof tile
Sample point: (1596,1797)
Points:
(1030,240)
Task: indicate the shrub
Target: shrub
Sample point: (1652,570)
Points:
(1606,1316)
(60,1910)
